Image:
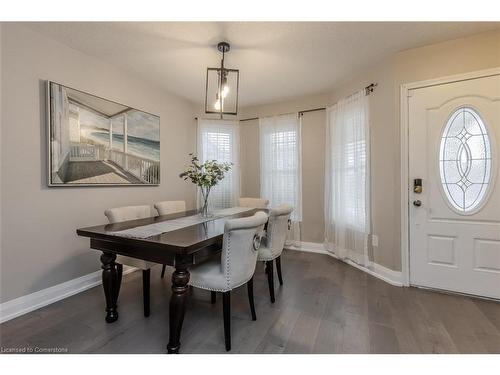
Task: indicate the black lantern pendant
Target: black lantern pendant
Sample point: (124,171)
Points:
(221,94)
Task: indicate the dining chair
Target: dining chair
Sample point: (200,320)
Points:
(253,202)
(116,215)
(167,208)
(273,243)
(235,267)
(170,207)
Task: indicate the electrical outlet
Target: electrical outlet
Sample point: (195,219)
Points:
(374,240)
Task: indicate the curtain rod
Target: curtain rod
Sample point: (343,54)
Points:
(299,112)
(368,90)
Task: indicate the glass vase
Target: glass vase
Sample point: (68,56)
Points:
(204,210)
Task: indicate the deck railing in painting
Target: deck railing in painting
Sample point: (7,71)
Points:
(147,170)
(85,152)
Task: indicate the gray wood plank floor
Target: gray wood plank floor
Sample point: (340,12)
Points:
(325,306)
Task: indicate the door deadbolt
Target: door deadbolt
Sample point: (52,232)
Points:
(417,185)
(417,203)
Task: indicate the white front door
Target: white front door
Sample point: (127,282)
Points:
(454,145)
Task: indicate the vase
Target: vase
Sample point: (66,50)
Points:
(204,210)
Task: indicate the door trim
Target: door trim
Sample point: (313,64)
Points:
(405,157)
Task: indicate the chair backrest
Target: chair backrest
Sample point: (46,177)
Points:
(277,228)
(239,255)
(116,215)
(170,207)
(253,202)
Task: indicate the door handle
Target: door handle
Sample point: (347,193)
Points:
(417,185)
(417,203)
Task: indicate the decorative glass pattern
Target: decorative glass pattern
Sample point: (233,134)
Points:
(465,160)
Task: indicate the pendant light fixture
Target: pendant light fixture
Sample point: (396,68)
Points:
(221,93)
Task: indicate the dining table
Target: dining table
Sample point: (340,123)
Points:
(179,240)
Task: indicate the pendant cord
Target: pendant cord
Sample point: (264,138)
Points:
(221,79)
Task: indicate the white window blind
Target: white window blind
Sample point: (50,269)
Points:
(280,165)
(347,178)
(219,140)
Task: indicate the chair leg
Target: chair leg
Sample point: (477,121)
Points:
(163,271)
(278,268)
(146,276)
(213,297)
(226,307)
(270,279)
(250,298)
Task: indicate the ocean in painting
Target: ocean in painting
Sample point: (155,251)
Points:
(137,146)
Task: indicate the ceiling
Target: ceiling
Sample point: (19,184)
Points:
(95,103)
(277,60)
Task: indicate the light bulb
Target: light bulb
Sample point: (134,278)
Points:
(225,91)
(217,105)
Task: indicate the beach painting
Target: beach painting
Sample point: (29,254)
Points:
(94,141)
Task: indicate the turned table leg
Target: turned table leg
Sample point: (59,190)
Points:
(110,284)
(180,279)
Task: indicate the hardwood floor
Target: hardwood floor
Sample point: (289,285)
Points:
(324,306)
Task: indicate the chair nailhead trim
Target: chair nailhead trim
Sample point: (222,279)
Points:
(228,263)
(217,289)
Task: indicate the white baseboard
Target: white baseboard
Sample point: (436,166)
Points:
(25,304)
(389,276)
(392,277)
(309,247)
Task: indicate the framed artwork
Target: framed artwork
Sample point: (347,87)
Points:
(95,141)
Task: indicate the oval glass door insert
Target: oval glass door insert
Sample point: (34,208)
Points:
(465,160)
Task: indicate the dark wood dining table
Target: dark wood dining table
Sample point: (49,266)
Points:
(179,248)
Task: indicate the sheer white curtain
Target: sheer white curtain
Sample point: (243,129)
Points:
(280,166)
(220,140)
(347,178)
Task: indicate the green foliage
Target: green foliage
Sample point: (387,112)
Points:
(205,175)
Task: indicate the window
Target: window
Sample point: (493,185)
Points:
(280,176)
(347,182)
(465,160)
(219,140)
(354,181)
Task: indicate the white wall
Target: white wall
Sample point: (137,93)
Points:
(476,52)
(385,162)
(313,158)
(39,246)
(1,128)
(472,53)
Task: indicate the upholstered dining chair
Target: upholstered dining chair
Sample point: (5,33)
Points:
(170,207)
(253,202)
(116,215)
(167,208)
(235,267)
(273,243)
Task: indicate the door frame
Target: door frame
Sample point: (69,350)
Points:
(405,156)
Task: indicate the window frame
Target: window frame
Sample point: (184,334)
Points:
(231,128)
